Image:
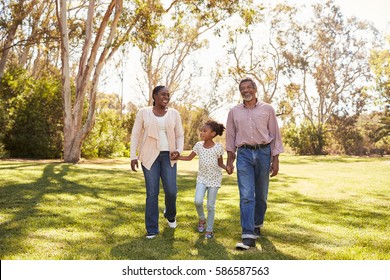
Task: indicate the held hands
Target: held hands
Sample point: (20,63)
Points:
(229,169)
(229,163)
(174,155)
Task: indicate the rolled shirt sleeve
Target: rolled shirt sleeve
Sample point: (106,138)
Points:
(274,131)
(230,133)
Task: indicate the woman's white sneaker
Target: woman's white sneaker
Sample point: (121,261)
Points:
(172,224)
(151,235)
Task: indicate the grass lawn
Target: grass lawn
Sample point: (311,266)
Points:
(319,208)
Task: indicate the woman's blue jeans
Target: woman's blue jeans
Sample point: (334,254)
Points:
(253,170)
(161,168)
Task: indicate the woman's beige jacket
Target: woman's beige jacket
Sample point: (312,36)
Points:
(145,139)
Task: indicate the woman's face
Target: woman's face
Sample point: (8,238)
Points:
(162,97)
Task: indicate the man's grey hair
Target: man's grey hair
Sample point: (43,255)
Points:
(248,80)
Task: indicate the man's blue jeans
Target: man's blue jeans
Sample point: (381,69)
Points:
(253,170)
(161,168)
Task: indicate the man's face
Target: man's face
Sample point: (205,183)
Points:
(248,92)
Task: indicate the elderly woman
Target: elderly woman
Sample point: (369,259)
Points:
(158,139)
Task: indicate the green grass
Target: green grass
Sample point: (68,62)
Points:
(319,208)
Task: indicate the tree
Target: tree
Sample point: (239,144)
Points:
(33,114)
(302,138)
(327,57)
(30,36)
(380,65)
(167,49)
(18,11)
(261,56)
(192,118)
(92,59)
(346,134)
(110,136)
(99,44)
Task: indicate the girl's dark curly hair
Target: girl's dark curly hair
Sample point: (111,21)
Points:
(218,128)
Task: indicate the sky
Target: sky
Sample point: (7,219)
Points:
(376,11)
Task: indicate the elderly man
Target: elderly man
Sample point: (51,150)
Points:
(252,130)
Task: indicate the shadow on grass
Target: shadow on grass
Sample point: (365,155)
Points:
(17,165)
(22,200)
(211,249)
(53,202)
(141,248)
(323,226)
(228,228)
(98,213)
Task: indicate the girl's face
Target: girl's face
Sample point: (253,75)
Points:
(162,97)
(206,133)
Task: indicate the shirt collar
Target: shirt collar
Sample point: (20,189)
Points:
(257,103)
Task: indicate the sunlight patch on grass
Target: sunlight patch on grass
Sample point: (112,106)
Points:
(319,208)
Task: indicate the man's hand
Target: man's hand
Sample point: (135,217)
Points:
(274,166)
(229,169)
(229,163)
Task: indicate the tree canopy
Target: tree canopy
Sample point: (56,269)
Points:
(324,72)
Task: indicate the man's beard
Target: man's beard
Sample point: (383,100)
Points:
(247,97)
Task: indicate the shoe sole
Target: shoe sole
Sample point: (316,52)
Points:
(242,247)
(151,236)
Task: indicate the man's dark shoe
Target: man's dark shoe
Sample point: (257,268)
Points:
(257,231)
(246,244)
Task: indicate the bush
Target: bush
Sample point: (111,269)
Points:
(304,139)
(34,126)
(109,137)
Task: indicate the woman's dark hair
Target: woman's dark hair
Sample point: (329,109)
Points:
(155,92)
(218,128)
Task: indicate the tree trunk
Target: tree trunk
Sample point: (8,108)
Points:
(72,147)
(320,141)
(7,46)
(65,80)
(75,128)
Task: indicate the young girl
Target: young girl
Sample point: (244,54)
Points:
(209,174)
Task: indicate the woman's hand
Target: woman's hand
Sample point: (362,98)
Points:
(134,164)
(174,155)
